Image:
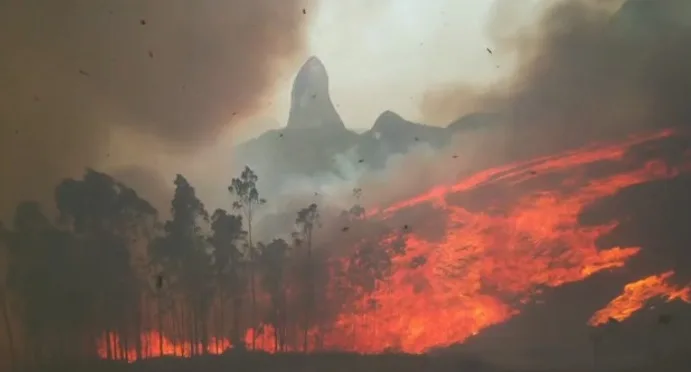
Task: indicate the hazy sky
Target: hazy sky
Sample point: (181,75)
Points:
(127,87)
(388,57)
(385,57)
(144,92)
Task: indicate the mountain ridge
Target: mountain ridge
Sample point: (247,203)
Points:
(315,134)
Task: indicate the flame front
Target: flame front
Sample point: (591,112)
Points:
(493,259)
(635,296)
(488,263)
(155,344)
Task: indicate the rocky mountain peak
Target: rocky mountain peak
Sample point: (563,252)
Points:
(311,105)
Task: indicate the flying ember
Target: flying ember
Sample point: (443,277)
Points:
(506,233)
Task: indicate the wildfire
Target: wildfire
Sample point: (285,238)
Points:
(635,296)
(488,263)
(156,344)
(493,259)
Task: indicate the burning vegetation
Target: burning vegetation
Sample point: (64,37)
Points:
(636,295)
(108,279)
(427,272)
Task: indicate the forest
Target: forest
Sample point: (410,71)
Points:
(108,279)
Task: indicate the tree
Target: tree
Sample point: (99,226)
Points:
(273,258)
(247,199)
(307,219)
(4,301)
(7,325)
(371,262)
(46,280)
(108,220)
(227,232)
(182,254)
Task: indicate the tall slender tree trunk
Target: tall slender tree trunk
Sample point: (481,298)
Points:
(237,308)
(178,329)
(204,326)
(221,335)
(253,293)
(183,326)
(124,344)
(310,292)
(139,309)
(194,341)
(8,329)
(160,327)
(109,345)
(284,322)
(254,304)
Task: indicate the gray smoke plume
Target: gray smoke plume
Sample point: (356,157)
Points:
(587,71)
(590,70)
(74,72)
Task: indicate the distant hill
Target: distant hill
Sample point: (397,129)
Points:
(315,134)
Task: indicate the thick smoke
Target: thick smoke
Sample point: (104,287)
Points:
(590,70)
(151,186)
(587,71)
(75,72)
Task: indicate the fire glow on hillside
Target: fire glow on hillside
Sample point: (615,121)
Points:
(489,262)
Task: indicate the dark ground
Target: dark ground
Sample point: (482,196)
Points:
(336,362)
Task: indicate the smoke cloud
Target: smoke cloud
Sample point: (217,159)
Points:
(588,70)
(76,73)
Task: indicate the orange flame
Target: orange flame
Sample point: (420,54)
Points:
(155,344)
(635,296)
(489,263)
(493,259)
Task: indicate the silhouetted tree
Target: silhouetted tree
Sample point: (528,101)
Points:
(7,326)
(52,299)
(108,220)
(4,299)
(183,255)
(371,262)
(273,259)
(247,200)
(307,219)
(227,233)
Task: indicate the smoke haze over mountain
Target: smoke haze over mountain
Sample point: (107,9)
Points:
(128,89)
(74,73)
(474,240)
(587,70)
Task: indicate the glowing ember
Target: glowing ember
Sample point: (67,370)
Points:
(155,344)
(635,296)
(491,260)
(488,263)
